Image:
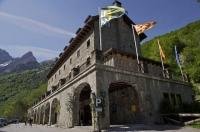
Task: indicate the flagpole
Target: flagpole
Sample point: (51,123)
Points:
(181,72)
(163,67)
(100,35)
(178,62)
(136,48)
(180,67)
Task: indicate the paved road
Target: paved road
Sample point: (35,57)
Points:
(130,128)
(41,128)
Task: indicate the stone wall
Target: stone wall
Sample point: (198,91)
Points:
(150,91)
(118,35)
(129,63)
(84,51)
(67,118)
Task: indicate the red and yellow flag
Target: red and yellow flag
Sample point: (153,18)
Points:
(140,28)
(162,55)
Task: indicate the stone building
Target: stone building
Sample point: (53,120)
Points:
(84,73)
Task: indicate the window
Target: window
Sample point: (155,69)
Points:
(64,67)
(166,97)
(55,76)
(70,61)
(70,75)
(108,25)
(88,61)
(173,99)
(88,43)
(78,53)
(179,99)
(59,72)
(131,46)
(146,67)
(76,71)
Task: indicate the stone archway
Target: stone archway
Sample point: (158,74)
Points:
(83,114)
(123,103)
(55,111)
(47,109)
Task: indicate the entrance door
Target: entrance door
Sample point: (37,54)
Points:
(123,103)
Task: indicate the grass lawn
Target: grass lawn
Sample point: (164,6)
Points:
(195,125)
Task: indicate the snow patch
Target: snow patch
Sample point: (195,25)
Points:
(5,64)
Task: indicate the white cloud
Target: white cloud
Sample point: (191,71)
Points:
(34,25)
(40,53)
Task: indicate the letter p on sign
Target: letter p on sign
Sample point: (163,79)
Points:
(98,102)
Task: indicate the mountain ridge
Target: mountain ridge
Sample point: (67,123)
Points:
(187,41)
(4,56)
(10,64)
(18,90)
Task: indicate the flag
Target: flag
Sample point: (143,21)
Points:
(162,55)
(179,63)
(177,56)
(110,12)
(140,28)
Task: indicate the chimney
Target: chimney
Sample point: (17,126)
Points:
(117,3)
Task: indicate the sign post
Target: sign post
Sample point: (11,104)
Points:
(98,108)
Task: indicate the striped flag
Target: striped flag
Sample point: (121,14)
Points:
(179,63)
(140,28)
(110,12)
(162,55)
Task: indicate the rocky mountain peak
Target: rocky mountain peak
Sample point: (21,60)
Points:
(25,62)
(4,56)
(28,57)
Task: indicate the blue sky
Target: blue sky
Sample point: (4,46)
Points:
(45,26)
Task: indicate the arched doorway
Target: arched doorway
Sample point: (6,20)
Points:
(83,112)
(123,103)
(55,111)
(47,109)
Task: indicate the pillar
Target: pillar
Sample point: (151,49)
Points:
(102,86)
(50,114)
(43,121)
